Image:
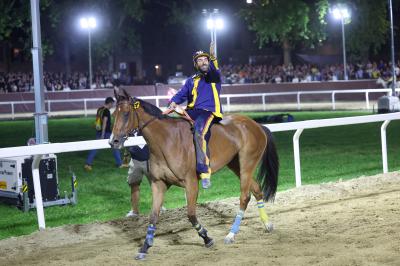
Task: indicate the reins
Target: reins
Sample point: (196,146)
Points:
(133,110)
(180,112)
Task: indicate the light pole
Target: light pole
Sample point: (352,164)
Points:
(391,103)
(214,23)
(89,23)
(341,12)
(392,49)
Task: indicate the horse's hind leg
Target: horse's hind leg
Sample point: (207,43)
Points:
(192,189)
(158,190)
(256,190)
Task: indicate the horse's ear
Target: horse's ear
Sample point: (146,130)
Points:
(116,93)
(126,94)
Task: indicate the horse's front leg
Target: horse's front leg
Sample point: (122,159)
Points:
(245,183)
(158,190)
(192,189)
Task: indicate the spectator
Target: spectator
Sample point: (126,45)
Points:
(138,167)
(103,132)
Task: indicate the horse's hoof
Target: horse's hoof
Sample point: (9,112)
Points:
(209,243)
(229,239)
(140,256)
(269,227)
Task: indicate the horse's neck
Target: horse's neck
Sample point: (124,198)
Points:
(159,133)
(155,132)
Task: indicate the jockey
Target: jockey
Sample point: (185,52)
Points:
(202,92)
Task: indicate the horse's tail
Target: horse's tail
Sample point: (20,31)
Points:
(269,169)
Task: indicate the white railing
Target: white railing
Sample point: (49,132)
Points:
(298,94)
(300,126)
(38,150)
(228,97)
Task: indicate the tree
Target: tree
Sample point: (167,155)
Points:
(288,23)
(118,31)
(16,28)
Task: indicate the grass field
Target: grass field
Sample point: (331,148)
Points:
(326,154)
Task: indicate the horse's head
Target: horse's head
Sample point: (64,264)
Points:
(126,120)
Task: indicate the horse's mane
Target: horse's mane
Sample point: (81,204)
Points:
(151,109)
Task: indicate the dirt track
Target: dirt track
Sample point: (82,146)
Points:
(355,222)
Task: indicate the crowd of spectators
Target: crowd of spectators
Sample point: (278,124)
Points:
(21,82)
(233,74)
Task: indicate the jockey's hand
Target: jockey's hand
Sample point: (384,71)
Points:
(212,48)
(172,105)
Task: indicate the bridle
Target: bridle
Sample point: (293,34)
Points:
(134,105)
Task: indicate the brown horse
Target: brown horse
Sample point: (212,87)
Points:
(237,141)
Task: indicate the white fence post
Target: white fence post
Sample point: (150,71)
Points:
(85,106)
(298,100)
(296,149)
(38,191)
(12,111)
(333,101)
(228,102)
(49,106)
(157,102)
(384,146)
(263,102)
(367,100)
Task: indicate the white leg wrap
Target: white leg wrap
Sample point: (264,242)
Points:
(230,238)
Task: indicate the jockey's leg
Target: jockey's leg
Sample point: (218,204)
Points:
(201,136)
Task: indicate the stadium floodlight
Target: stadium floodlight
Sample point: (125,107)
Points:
(89,23)
(219,23)
(342,13)
(249,1)
(210,24)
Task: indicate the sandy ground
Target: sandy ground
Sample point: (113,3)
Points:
(354,222)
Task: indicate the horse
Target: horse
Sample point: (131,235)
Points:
(236,141)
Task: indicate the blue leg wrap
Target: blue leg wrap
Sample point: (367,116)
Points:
(150,234)
(236,223)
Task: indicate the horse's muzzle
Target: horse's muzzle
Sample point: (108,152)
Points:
(115,143)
